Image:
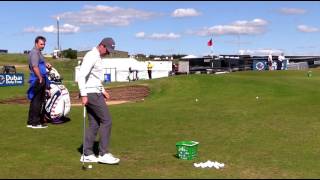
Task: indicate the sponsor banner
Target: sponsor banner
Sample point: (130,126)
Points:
(12,79)
(259,65)
(107,78)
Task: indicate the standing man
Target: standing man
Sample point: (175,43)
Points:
(279,62)
(149,67)
(38,84)
(93,97)
(270,62)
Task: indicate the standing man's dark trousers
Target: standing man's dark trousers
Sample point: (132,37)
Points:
(150,74)
(36,112)
(279,65)
(99,121)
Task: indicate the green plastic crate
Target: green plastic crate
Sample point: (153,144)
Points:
(187,150)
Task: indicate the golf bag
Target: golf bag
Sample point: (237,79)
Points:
(58,104)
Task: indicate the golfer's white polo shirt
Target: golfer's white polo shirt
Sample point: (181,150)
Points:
(91,73)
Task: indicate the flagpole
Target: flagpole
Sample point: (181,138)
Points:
(211,47)
(239,43)
(211,52)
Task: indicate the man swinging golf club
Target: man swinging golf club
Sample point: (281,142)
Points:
(93,97)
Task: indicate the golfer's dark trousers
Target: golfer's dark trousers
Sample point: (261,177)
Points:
(150,74)
(36,112)
(279,65)
(99,121)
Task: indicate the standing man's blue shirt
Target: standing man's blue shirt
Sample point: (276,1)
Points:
(36,59)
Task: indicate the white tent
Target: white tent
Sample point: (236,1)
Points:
(189,57)
(118,68)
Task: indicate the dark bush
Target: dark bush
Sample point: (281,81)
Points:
(69,53)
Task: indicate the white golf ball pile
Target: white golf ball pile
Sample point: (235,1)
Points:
(209,164)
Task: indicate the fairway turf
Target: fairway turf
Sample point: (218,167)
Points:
(275,136)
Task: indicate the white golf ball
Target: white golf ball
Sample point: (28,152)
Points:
(196,165)
(90,166)
(203,166)
(221,165)
(196,100)
(216,165)
(257,97)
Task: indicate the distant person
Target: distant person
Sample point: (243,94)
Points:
(279,62)
(134,74)
(270,62)
(149,67)
(285,62)
(93,96)
(174,68)
(39,84)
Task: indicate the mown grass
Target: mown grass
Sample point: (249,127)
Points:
(274,136)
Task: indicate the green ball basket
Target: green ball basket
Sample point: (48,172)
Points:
(187,150)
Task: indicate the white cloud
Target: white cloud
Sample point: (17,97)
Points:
(164,36)
(158,36)
(236,42)
(101,15)
(65,28)
(292,11)
(68,28)
(307,29)
(49,29)
(255,26)
(189,12)
(254,22)
(140,35)
(31,30)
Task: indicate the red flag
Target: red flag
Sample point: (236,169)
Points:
(210,42)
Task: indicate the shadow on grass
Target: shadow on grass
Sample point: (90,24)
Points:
(191,159)
(176,156)
(95,148)
(57,121)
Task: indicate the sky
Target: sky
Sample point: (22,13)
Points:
(165,27)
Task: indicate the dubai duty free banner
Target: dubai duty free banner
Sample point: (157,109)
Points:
(12,79)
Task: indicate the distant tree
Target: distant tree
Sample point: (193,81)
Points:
(69,53)
(178,56)
(141,56)
(26,51)
(155,57)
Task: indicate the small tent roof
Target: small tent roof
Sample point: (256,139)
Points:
(189,57)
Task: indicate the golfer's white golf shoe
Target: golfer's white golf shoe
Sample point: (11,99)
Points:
(90,158)
(108,159)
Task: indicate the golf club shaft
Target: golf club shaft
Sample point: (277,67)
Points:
(84,134)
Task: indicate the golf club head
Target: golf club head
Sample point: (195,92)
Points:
(84,167)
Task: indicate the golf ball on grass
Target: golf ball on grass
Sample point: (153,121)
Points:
(209,164)
(257,97)
(90,166)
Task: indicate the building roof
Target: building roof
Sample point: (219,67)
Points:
(189,57)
